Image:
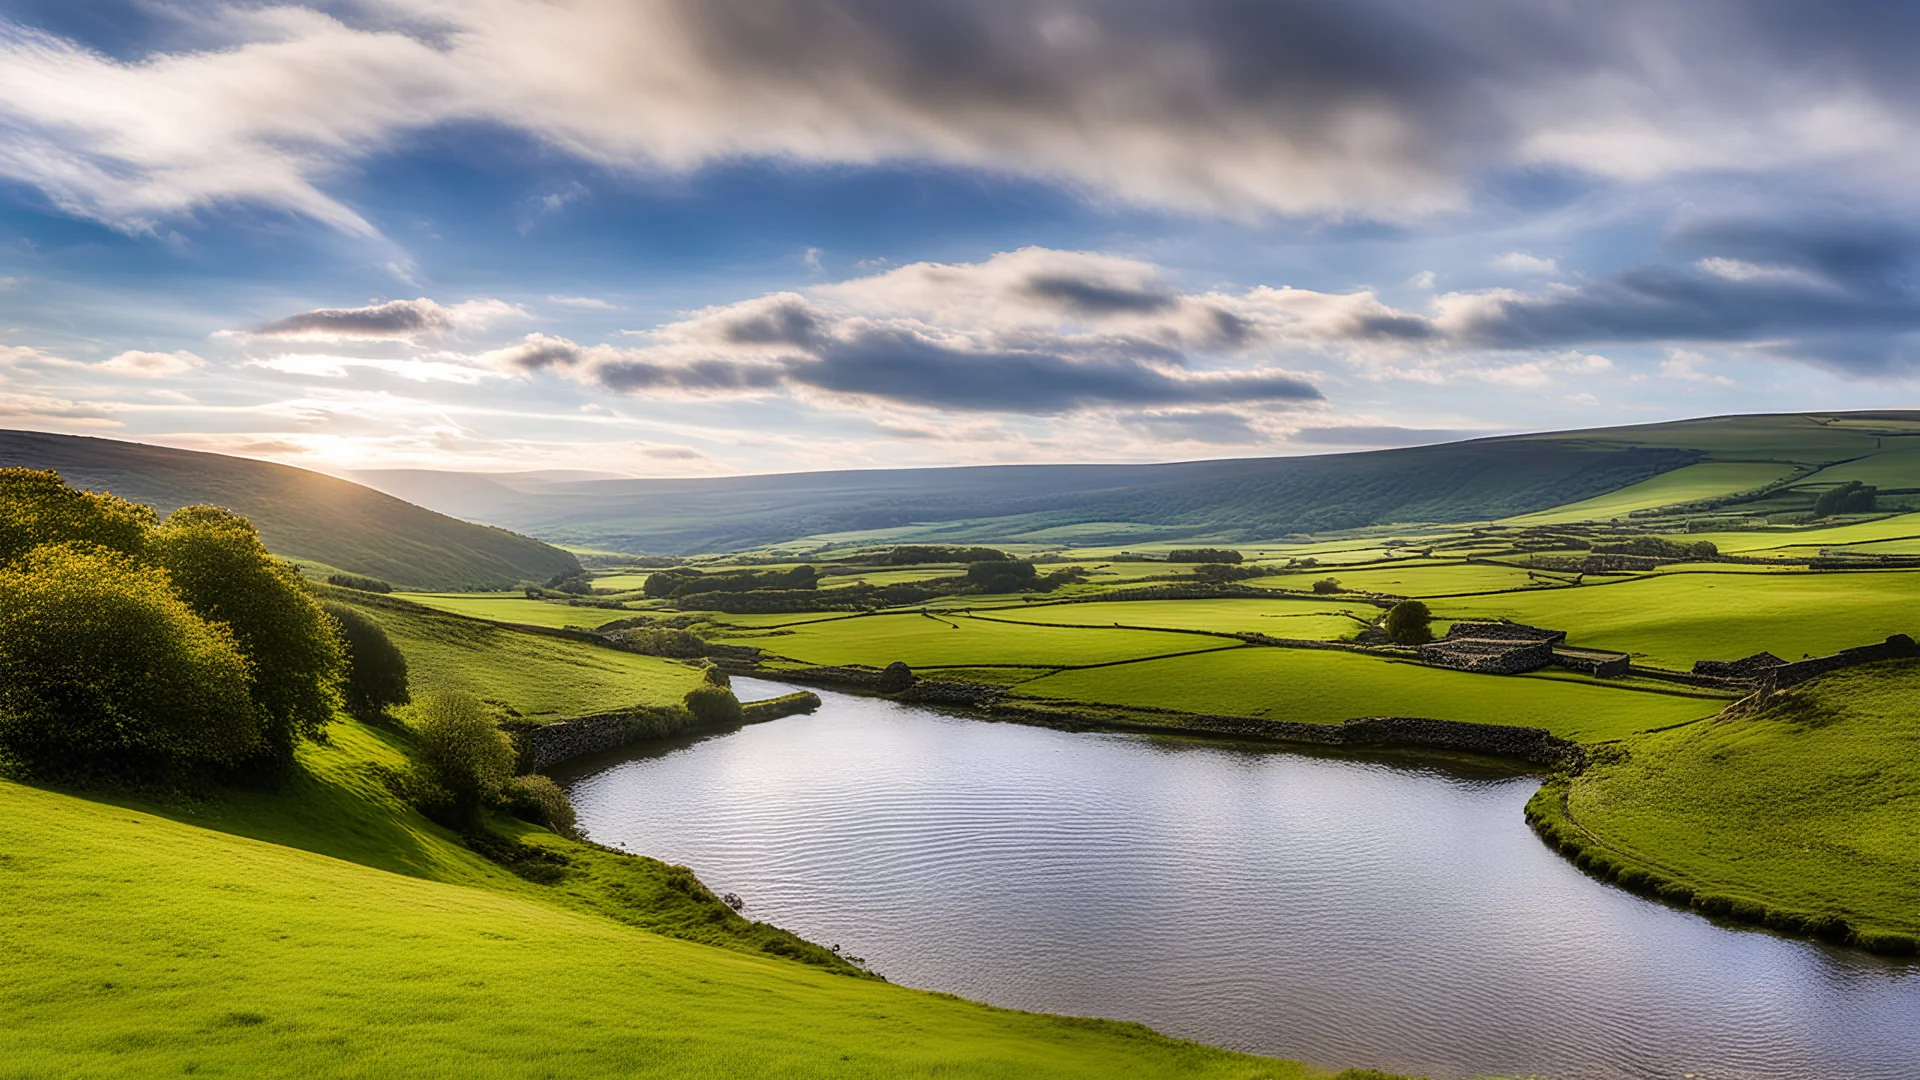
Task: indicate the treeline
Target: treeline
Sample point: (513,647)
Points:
(982,578)
(130,647)
(685,581)
(1852,497)
(1204,555)
(919,554)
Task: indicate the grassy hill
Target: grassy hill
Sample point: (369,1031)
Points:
(301,514)
(1599,473)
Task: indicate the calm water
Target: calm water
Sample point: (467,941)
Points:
(1345,912)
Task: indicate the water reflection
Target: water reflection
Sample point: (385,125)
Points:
(1345,911)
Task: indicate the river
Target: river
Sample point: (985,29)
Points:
(1345,911)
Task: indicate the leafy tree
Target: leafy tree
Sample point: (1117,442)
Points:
(996,576)
(1204,555)
(102,667)
(1409,622)
(1852,497)
(225,575)
(462,752)
(1327,586)
(37,507)
(538,799)
(714,706)
(376,669)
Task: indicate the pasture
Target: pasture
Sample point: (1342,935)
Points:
(932,641)
(516,608)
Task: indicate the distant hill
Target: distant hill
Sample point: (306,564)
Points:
(1243,499)
(300,514)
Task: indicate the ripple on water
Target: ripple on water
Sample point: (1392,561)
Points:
(1342,911)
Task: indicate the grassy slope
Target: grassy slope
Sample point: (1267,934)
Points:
(1674,619)
(536,676)
(1276,618)
(300,514)
(141,944)
(1812,804)
(1317,687)
(515,607)
(1705,480)
(924,641)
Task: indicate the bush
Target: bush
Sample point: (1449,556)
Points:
(572,584)
(538,799)
(996,575)
(1203,555)
(462,752)
(103,668)
(37,507)
(1852,497)
(1409,622)
(715,676)
(714,706)
(1327,586)
(376,676)
(225,575)
(358,583)
(666,641)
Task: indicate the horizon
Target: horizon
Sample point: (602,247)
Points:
(354,236)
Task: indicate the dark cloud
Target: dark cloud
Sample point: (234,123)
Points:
(1218,427)
(1378,435)
(787,323)
(393,319)
(1087,297)
(538,353)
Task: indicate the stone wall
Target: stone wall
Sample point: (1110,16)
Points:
(1504,630)
(1600,665)
(543,746)
(1897,647)
(1484,656)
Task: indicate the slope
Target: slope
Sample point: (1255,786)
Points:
(301,514)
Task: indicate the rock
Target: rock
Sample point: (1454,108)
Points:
(897,677)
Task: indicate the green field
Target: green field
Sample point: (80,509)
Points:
(1671,620)
(1322,687)
(1896,527)
(143,944)
(1692,483)
(1419,578)
(927,641)
(516,608)
(535,676)
(1275,618)
(1812,804)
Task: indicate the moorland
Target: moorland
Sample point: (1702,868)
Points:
(304,914)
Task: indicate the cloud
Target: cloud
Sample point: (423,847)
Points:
(1375,108)
(397,320)
(1520,262)
(584,303)
(153,365)
(339,367)
(1216,427)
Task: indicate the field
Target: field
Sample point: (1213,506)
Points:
(1278,618)
(536,677)
(1671,620)
(210,953)
(1809,805)
(1683,485)
(516,608)
(1320,687)
(929,641)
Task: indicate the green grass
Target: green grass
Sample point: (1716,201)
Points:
(142,944)
(1671,620)
(1275,618)
(927,641)
(1894,469)
(1416,578)
(536,676)
(1690,484)
(1324,687)
(1899,526)
(1812,804)
(515,607)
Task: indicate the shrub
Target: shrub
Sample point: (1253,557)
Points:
(37,507)
(995,575)
(376,676)
(538,799)
(1326,586)
(714,706)
(462,752)
(1409,622)
(714,676)
(358,583)
(1852,497)
(103,668)
(225,575)
(1203,555)
(665,641)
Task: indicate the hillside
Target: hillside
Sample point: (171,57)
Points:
(300,514)
(1232,500)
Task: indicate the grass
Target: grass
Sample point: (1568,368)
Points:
(947,640)
(142,944)
(1416,578)
(515,607)
(1690,484)
(1324,687)
(1896,527)
(535,676)
(1811,804)
(1275,618)
(1671,620)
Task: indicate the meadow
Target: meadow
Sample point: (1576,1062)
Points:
(1807,804)
(517,608)
(930,641)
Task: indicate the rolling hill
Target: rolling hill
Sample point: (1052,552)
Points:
(1230,500)
(301,514)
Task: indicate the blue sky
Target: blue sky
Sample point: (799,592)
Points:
(677,238)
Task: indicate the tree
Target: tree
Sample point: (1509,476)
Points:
(1852,497)
(104,668)
(1409,622)
(714,706)
(37,507)
(462,752)
(224,573)
(996,576)
(1327,586)
(376,676)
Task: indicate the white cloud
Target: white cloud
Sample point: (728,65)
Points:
(153,365)
(1688,366)
(584,303)
(1519,262)
(339,367)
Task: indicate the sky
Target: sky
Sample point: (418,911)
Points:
(709,237)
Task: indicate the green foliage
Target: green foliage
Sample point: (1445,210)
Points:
(224,573)
(918,554)
(538,799)
(687,583)
(103,668)
(462,752)
(666,641)
(713,706)
(376,670)
(573,584)
(1852,497)
(714,675)
(1409,622)
(36,508)
(997,576)
(1659,547)
(362,584)
(1203,555)
(1327,586)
